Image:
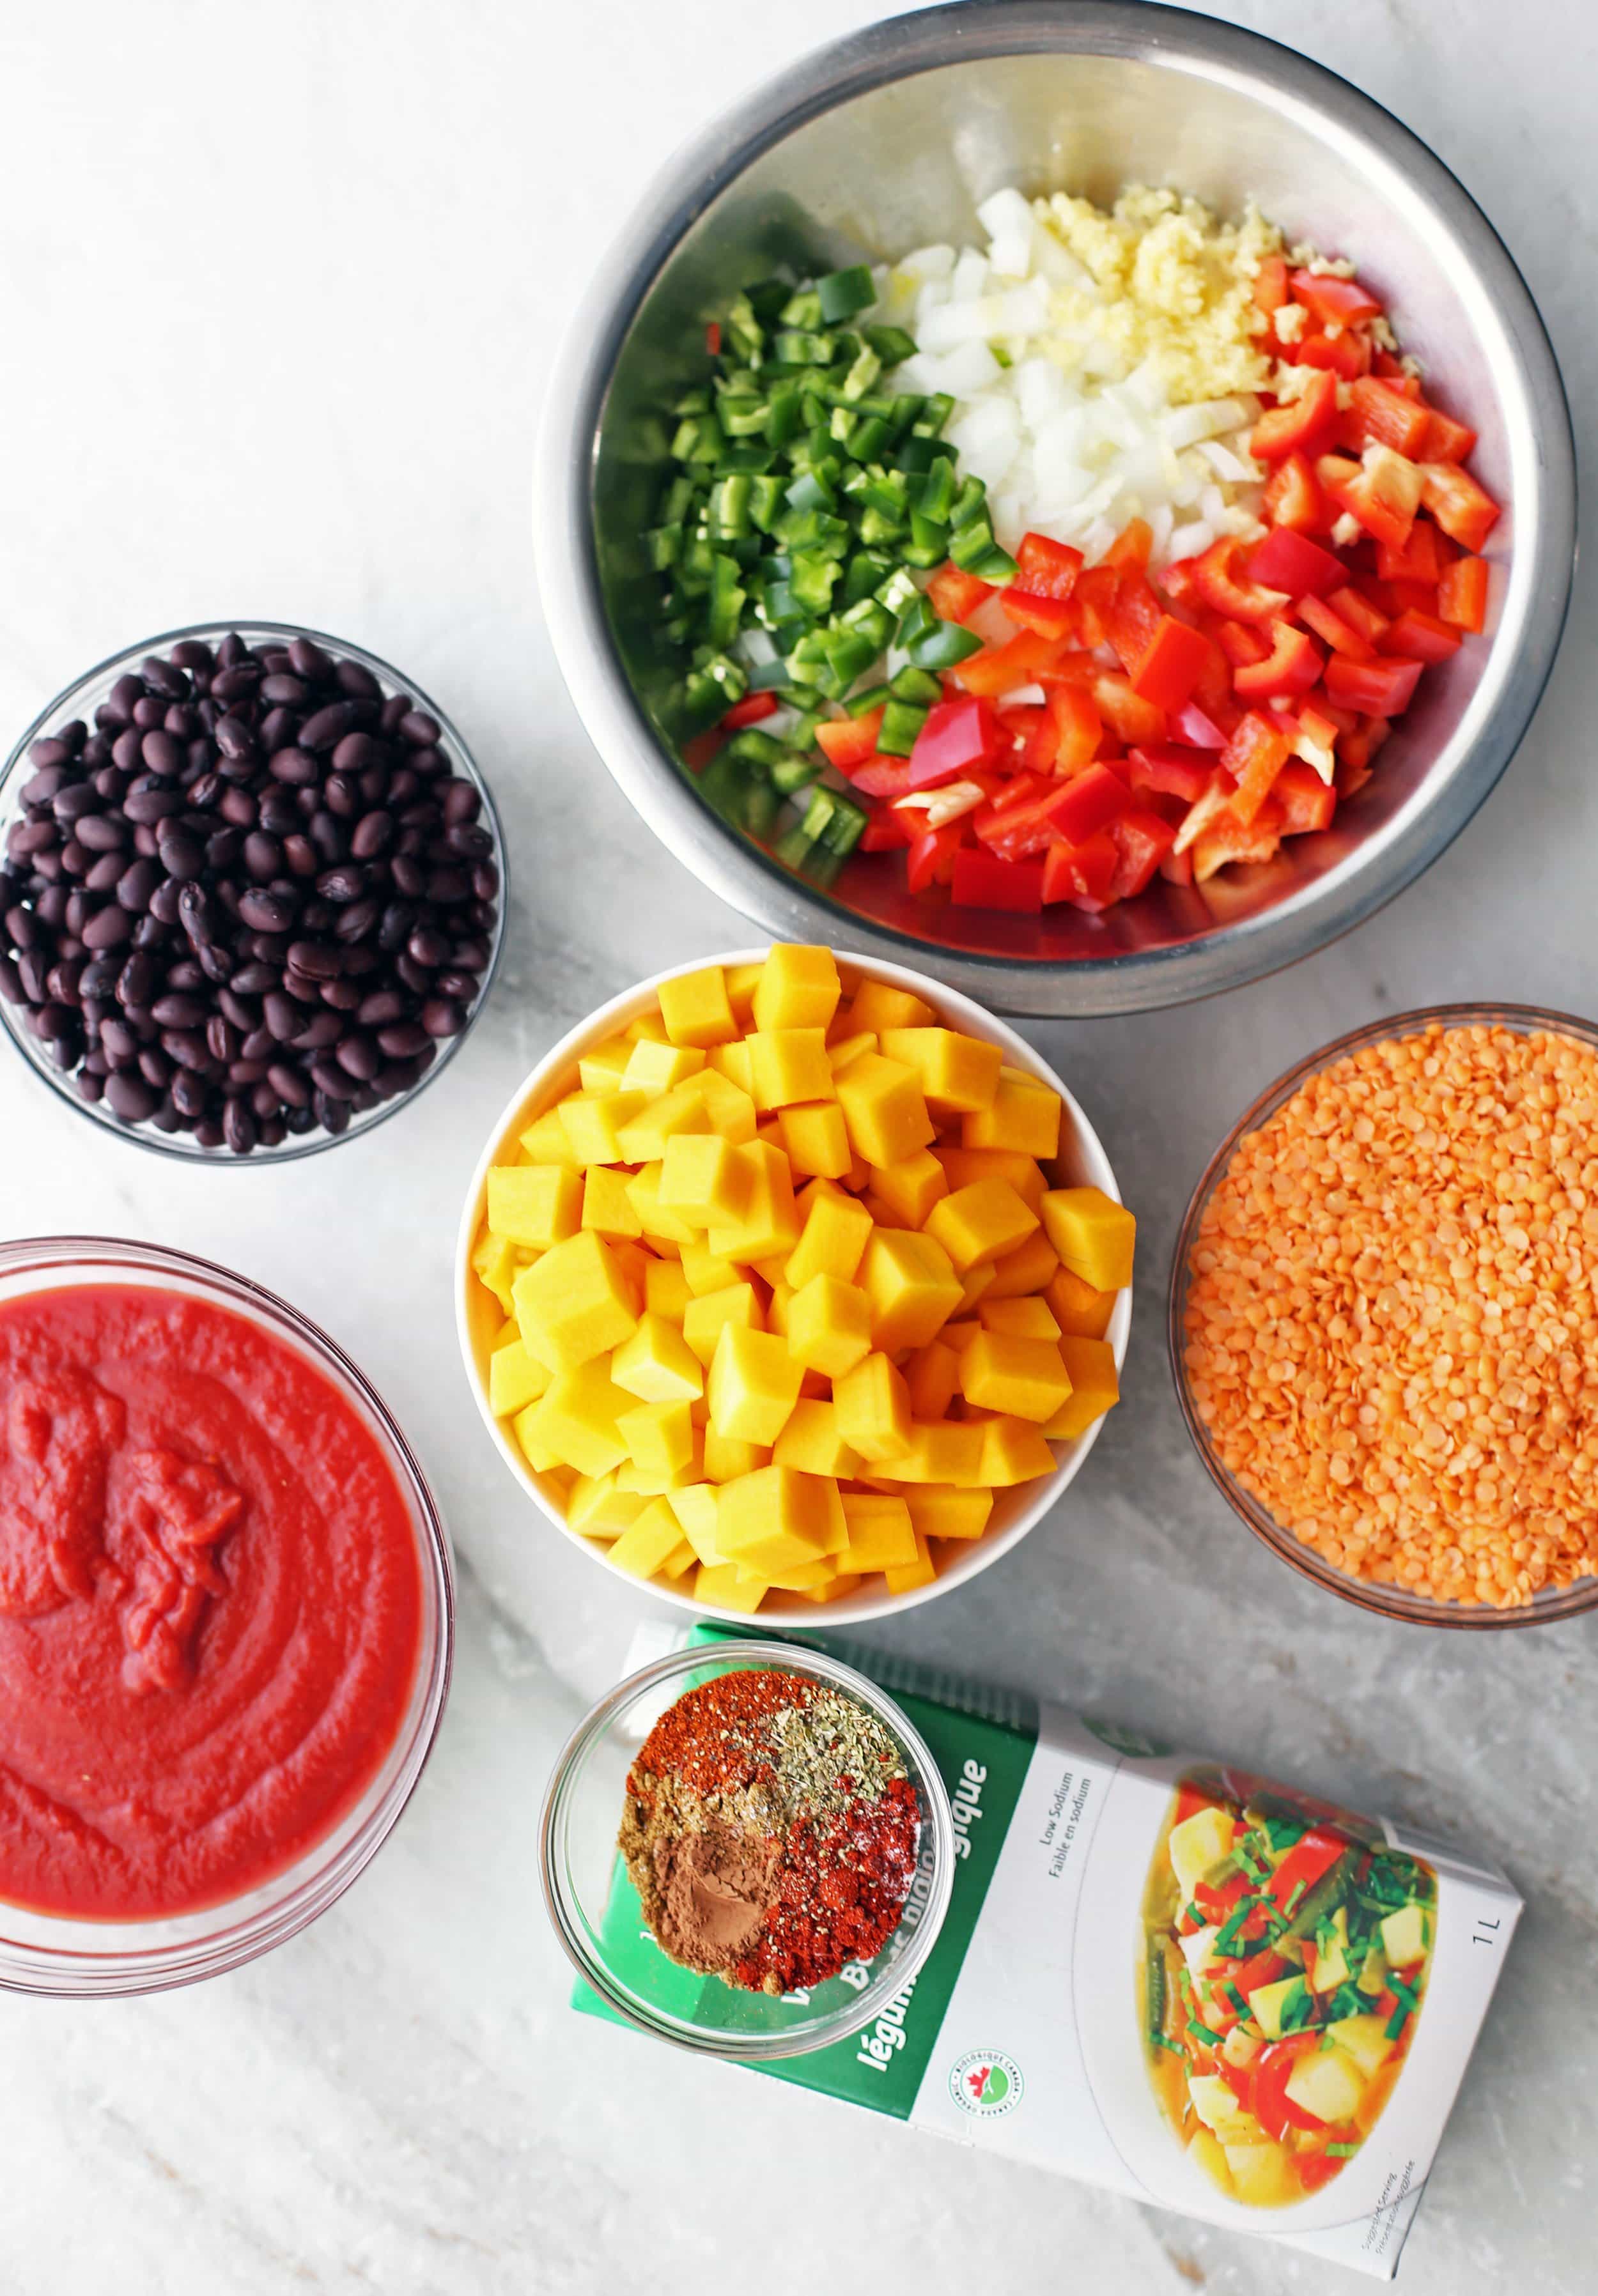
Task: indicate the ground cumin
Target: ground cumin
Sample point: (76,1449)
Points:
(1391,1331)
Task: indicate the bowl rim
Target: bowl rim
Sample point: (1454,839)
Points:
(1376,869)
(295,1897)
(180,1146)
(855,1610)
(791,1657)
(1371,1595)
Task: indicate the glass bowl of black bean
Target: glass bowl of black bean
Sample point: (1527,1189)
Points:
(251,892)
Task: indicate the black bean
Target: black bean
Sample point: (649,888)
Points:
(164,678)
(179,1011)
(233,738)
(239,1127)
(327,726)
(108,928)
(282,686)
(236,682)
(281,1016)
(189,1093)
(289,1085)
(279,729)
(320,1031)
(102,832)
(263,856)
(344,995)
(300,856)
(267,911)
(329,1079)
(132,1098)
(193,654)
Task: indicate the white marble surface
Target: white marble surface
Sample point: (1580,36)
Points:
(281,286)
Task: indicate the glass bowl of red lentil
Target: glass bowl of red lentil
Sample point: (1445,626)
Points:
(598,1916)
(360,1059)
(1544,1575)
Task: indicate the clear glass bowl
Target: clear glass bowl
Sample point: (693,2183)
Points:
(46,1953)
(80,699)
(1388,1602)
(597,1916)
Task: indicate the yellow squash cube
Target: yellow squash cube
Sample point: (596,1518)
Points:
(828,1326)
(906,1576)
(666,1290)
(815,1138)
(575,1303)
(598,1509)
(704,1317)
(843,1050)
(911,1187)
(659,1436)
(881,1534)
(535,1204)
(1093,1235)
(603,1069)
(1078,1308)
(742,981)
(805,1577)
(607,1207)
(939,1511)
(753,1384)
(540,1455)
(932,1375)
(884,1108)
(1024,1319)
(696,1010)
(981,1222)
(695,1507)
(1024,1115)
(729,1106)
(873,1408)
(642,1138)
(1029,1267)
(811,1443)
(833,1591)
(656,1364)
(545,1141)
(878,1006)
(912,1288)
(770,1224)
(1023,1378)
(944,1451)
(594,1122)
(1090,1367)
(575,1420)
(724,1587)
(774,1519)
(835,1233)
(798,989)
(732,1062)
(647,1544)
(702,1180)
(654,1067)
(496,1267)
(706,1271)
(516,1379)
(1025,1176)
(959,1074)
(655,1221)
(789,1066)
(1013,1451)
(726,1457)
(647,1028)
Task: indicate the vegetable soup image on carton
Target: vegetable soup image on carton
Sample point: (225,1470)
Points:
(1168,1977)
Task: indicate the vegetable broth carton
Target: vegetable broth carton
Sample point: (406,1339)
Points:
(1168,1977)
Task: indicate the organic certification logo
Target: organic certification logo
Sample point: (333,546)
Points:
(986,2083)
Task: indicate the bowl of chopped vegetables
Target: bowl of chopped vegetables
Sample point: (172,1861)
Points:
(1084,495)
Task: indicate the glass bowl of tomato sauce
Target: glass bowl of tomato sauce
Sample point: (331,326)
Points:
(598,1916)
(227,1617)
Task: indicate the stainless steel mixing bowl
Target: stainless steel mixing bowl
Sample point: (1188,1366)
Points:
(890,139)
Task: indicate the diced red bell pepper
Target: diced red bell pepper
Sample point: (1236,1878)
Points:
(1179,581)
(1293,499)
(1421,560)
(1270,283)
(1142,839)
(1273,2069)
(1206,809)
(1197,728)
(1383,491)
(1287,561)
(960,736)
(1036,736)
(1134,617)
(885,778)
(955,593)
(1420,637)
(1333,630)
(982,881)
(1082,874)
(713,337)
(1177,868)
(1462,594)
(1131,717)
(1306,802)
(849,743)
(1446,440)
(1332,298)
(1022,820)
(1242,643)
(1172,772)
(1095,596)
(1078,726)
(1359,612)
(1223,588)
(751,709)
(1355,751)
(1377,689)
(1301,425)
(1292,666)
(1089,802)
(1465,511)
(1311,1857)
(1049,618)
(999,670)
(1231,839)
(1347,355)
(930,860)
(1046,569)
(1171,664)
(886,832)
(1131,548)
(699,750)
(1316,740)
(1254,757)
(1395,598)
(1378,412)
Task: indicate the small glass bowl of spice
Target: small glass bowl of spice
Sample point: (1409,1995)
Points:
(251,892)
(747,1849)
(1384,1317)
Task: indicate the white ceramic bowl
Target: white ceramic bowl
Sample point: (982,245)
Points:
(1082,1162)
